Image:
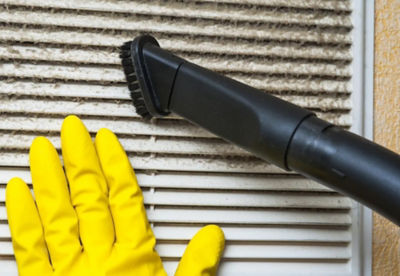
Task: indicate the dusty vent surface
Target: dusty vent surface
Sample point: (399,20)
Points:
(61,57)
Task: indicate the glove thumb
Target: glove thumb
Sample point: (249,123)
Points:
(202,255)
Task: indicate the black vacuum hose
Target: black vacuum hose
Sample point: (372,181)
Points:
(282,133)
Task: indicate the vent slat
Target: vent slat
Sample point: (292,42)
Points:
(149,24)
(55,35)
(142,144)
(106,75)
(124,126)
(278,234)
(235,251)
(335,5)
(267,251)
(242,217)
(224,64)
(244,199)
(177,128)
(254,268)
(276,268)
(106,109)
(171,163)
(120,92)
(209,181)
(244,234)
(262,217)
(191,10)
(259,200)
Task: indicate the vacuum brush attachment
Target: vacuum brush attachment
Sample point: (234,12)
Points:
(277,131)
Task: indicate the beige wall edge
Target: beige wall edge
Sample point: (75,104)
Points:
(386,235)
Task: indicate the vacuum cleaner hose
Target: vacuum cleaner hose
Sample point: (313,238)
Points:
(349,164)
(280,132)
(290,137)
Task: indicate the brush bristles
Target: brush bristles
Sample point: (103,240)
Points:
(131,78)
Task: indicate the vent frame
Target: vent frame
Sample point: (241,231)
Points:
(362,124)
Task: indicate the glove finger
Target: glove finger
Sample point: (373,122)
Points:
(202,255)
(126,200)
(54,204)
(88,189)
(26,230)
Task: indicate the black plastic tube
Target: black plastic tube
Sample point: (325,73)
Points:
(349,164)
(282,133)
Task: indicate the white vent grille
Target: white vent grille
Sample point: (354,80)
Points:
(61,57)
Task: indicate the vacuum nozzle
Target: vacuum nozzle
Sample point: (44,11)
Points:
(150,73)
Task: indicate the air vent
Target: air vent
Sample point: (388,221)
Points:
(61,57)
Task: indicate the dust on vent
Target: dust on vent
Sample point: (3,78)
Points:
(61,57)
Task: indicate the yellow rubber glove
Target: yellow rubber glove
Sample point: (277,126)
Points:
(96,224)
